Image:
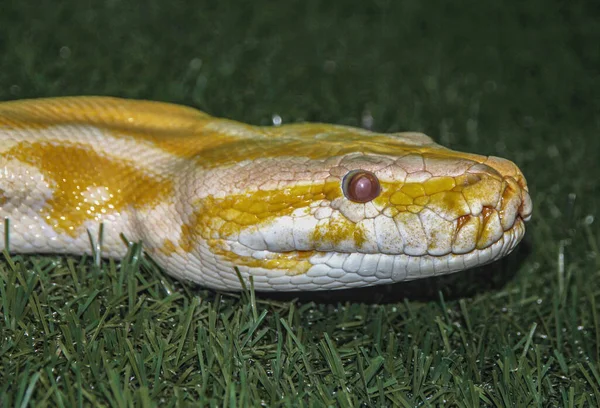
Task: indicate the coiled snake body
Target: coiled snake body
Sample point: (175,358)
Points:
(297,207)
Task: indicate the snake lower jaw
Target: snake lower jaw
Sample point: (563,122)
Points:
(319,270)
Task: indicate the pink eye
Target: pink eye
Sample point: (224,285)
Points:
(361,186)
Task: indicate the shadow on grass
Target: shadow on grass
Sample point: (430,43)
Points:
(467,283)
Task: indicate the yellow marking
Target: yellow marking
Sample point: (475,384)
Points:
(486,191)
(225,217)
(449,202)
(217,219)
(438,184)
(399,198)
(293,263)
(413,189)
(75,171)
(465,180)
(173,128)
(98,111)
(415,209)
(187,132)
(446,196)
(168,247)
(422,201)
(305,145)
(338,230)
(181,144)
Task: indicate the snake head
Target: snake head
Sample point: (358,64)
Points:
(390,208)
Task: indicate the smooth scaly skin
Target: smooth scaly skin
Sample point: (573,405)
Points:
(206,195)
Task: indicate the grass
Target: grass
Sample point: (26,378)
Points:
(514,80)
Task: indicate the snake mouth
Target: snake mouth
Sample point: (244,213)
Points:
(334,270)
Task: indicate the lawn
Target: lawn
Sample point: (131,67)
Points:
(519,80)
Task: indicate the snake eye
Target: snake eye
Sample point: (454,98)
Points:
(361,186)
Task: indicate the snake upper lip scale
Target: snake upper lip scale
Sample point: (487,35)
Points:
(297,207)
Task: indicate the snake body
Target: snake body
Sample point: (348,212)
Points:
(206,195)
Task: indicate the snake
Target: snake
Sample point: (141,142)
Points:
(294,207)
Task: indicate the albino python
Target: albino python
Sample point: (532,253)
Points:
(297,207)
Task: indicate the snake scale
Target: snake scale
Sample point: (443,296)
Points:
(298,207)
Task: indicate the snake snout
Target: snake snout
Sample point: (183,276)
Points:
(516,184)
(526,207)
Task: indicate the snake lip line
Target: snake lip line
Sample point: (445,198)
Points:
(337,270)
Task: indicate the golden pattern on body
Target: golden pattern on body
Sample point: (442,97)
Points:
(297,207)
(75,172)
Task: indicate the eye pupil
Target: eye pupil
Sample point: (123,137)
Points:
(361,186)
